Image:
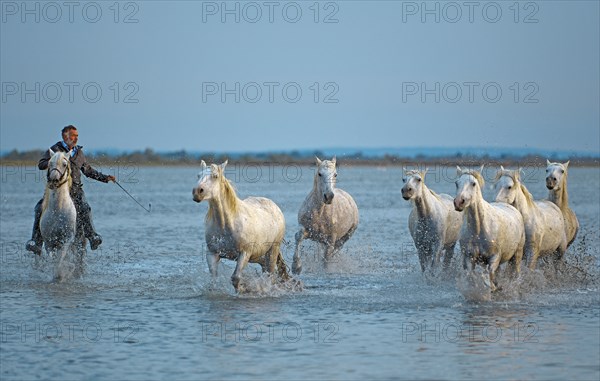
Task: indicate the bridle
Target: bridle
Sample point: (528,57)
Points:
(64,177)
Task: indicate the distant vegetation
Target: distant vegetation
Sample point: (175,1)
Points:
(150,157)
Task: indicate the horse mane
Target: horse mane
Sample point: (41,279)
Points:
(476,175)
(437,196)
(514,175)
(564,195)
(229,198)
(527,194)
(45,200)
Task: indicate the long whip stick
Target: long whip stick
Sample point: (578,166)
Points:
(143,207)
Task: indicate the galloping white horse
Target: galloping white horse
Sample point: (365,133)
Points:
(59,217)
(491,233)
(433,223)
(328,215)
(556,182)
(544,223)
(249,230)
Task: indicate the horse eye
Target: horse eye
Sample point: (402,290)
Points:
(320,175)
(403,180)
(562,171)
(335,175)
(510,187)
(473,184)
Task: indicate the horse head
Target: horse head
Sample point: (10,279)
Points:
(59,169)
(413,183)
(468,187)
(556,174)
(325,179)
(209,181)
(507,184)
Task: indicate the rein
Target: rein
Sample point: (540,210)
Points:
(57,184)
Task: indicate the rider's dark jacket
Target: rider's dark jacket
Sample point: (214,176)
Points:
(78,164)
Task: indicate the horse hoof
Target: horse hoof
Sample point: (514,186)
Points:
(296,284)
(33,247)
(236,283)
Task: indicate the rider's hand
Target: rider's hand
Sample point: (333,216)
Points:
(111,178)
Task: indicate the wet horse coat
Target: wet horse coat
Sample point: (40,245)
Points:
(249,230)
(328,215)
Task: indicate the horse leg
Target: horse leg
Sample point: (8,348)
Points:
(519,257)
(340,242)
(436,253)
(514,264)
(213,262)
(449,253)
(532,256)
(242,261)
(493,264)
(297,264)
(61,270)
(559,257)
(422,259)
(272,257)
(465,257)
(282,269)
(329,249)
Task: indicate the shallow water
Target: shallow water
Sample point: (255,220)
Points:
(144,309)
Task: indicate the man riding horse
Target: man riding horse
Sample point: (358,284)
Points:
(78,165)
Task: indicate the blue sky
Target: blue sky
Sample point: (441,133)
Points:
(365,74)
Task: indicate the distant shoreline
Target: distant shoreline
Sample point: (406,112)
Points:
(150,158)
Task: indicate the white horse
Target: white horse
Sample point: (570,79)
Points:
(556,182)
(249,230)
(59,216)
(433,223)
(328,215)
(491,233)
(544,223)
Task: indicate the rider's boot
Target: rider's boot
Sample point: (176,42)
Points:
(88,229)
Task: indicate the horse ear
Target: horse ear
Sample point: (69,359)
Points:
(458,171)
(50,151)
(224,165)
(318,160)
(424,173)
(501,167)
(334,160)
(567,164)
(203,164)
(499,174)
(548,163)
(481,168)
